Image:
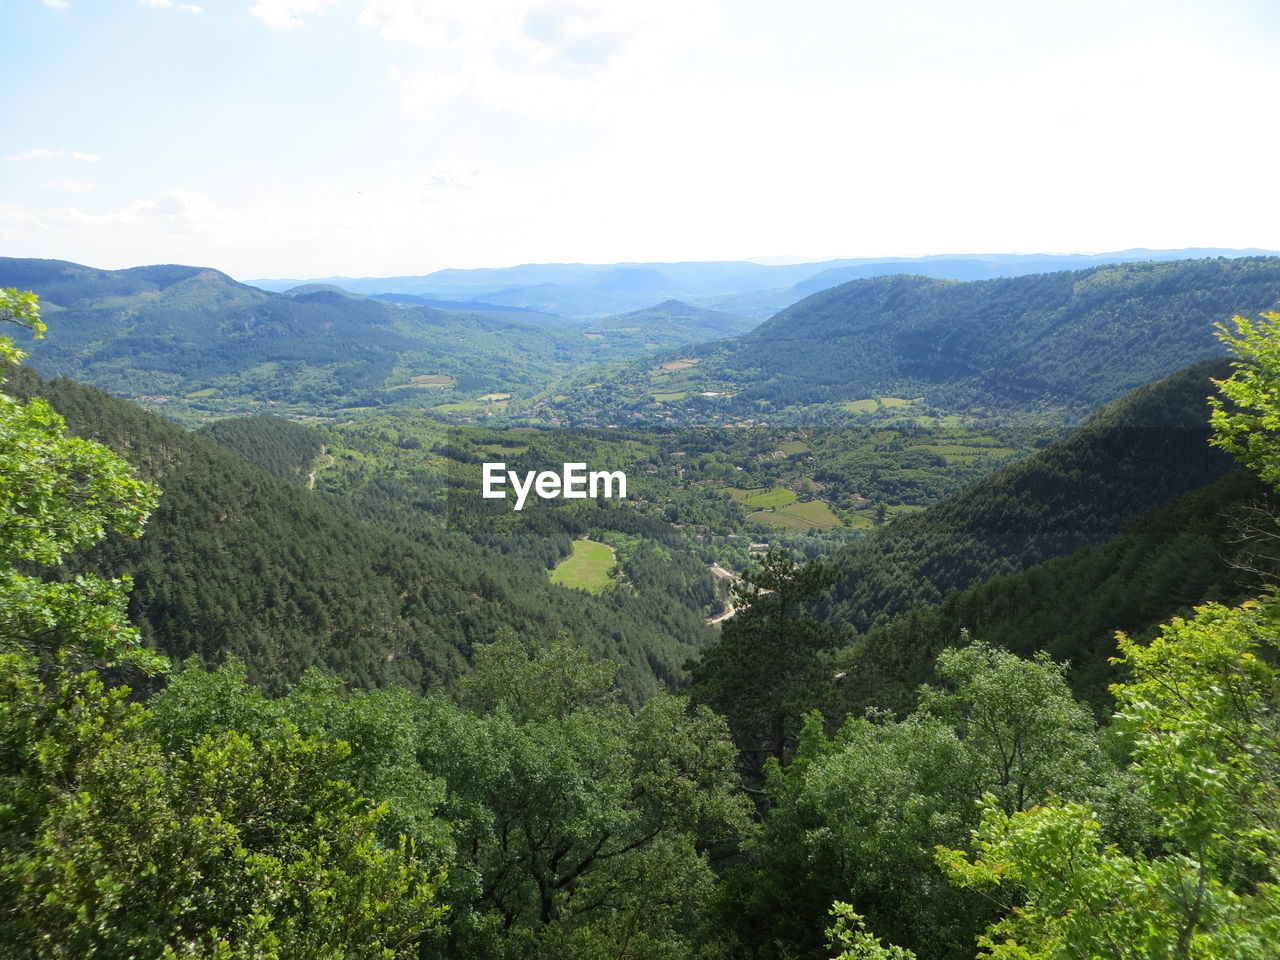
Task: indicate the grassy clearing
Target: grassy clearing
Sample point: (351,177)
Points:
(433,380)
(950,422)
(502,450)
(872,404)
(742,493)
(777,497)
(462,406)
(811,515)
(587,568)
(668,397)
(815,511)
(780,520)
(861,406)
(682,364)
(794,446)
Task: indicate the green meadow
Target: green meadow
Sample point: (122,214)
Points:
(587,568)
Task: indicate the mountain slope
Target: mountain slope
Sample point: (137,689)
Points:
(667,324)
(195,340)
(1161,564)
(1131,456)
(1079,338)
(237,562)
(745,288)
(1064,342)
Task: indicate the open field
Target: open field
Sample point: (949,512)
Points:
(684,363)
(780,520)
(587,568)
(467,406)
(872,404)
(777,497)
(794,446)
(815,511)
(433,380)
(963,453)
(810,515)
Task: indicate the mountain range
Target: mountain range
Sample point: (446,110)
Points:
(745,288)
(1067,341)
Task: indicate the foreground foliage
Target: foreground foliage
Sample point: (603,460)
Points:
(114,847)
(1200,714)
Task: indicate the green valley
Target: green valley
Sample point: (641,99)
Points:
(802,610)
(601,480)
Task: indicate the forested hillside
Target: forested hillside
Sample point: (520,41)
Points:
(194,343)
(239,563)
(1076,338)
(1063,343)
(1164,561)
(992,693)
(667,324)
(1134,454)
(1125,522)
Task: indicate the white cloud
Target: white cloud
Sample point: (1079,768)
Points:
(70,185)
(49,153)
(400,21)
(448,183)
(588,31)
(287,13)
(549,97)
(36,153)
(540,58)
(56,4)
(170,5)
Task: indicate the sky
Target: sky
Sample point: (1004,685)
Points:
(315,138)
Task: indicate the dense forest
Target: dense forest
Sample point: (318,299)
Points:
(278,689)
(238,563)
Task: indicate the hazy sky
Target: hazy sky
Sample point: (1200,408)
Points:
(303,138)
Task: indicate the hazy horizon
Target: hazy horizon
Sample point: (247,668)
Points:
(313,138)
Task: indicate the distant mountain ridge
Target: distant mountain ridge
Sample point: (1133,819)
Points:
(1081,337)
(1067,342)
(744,288)
(667,324)
(197,340)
